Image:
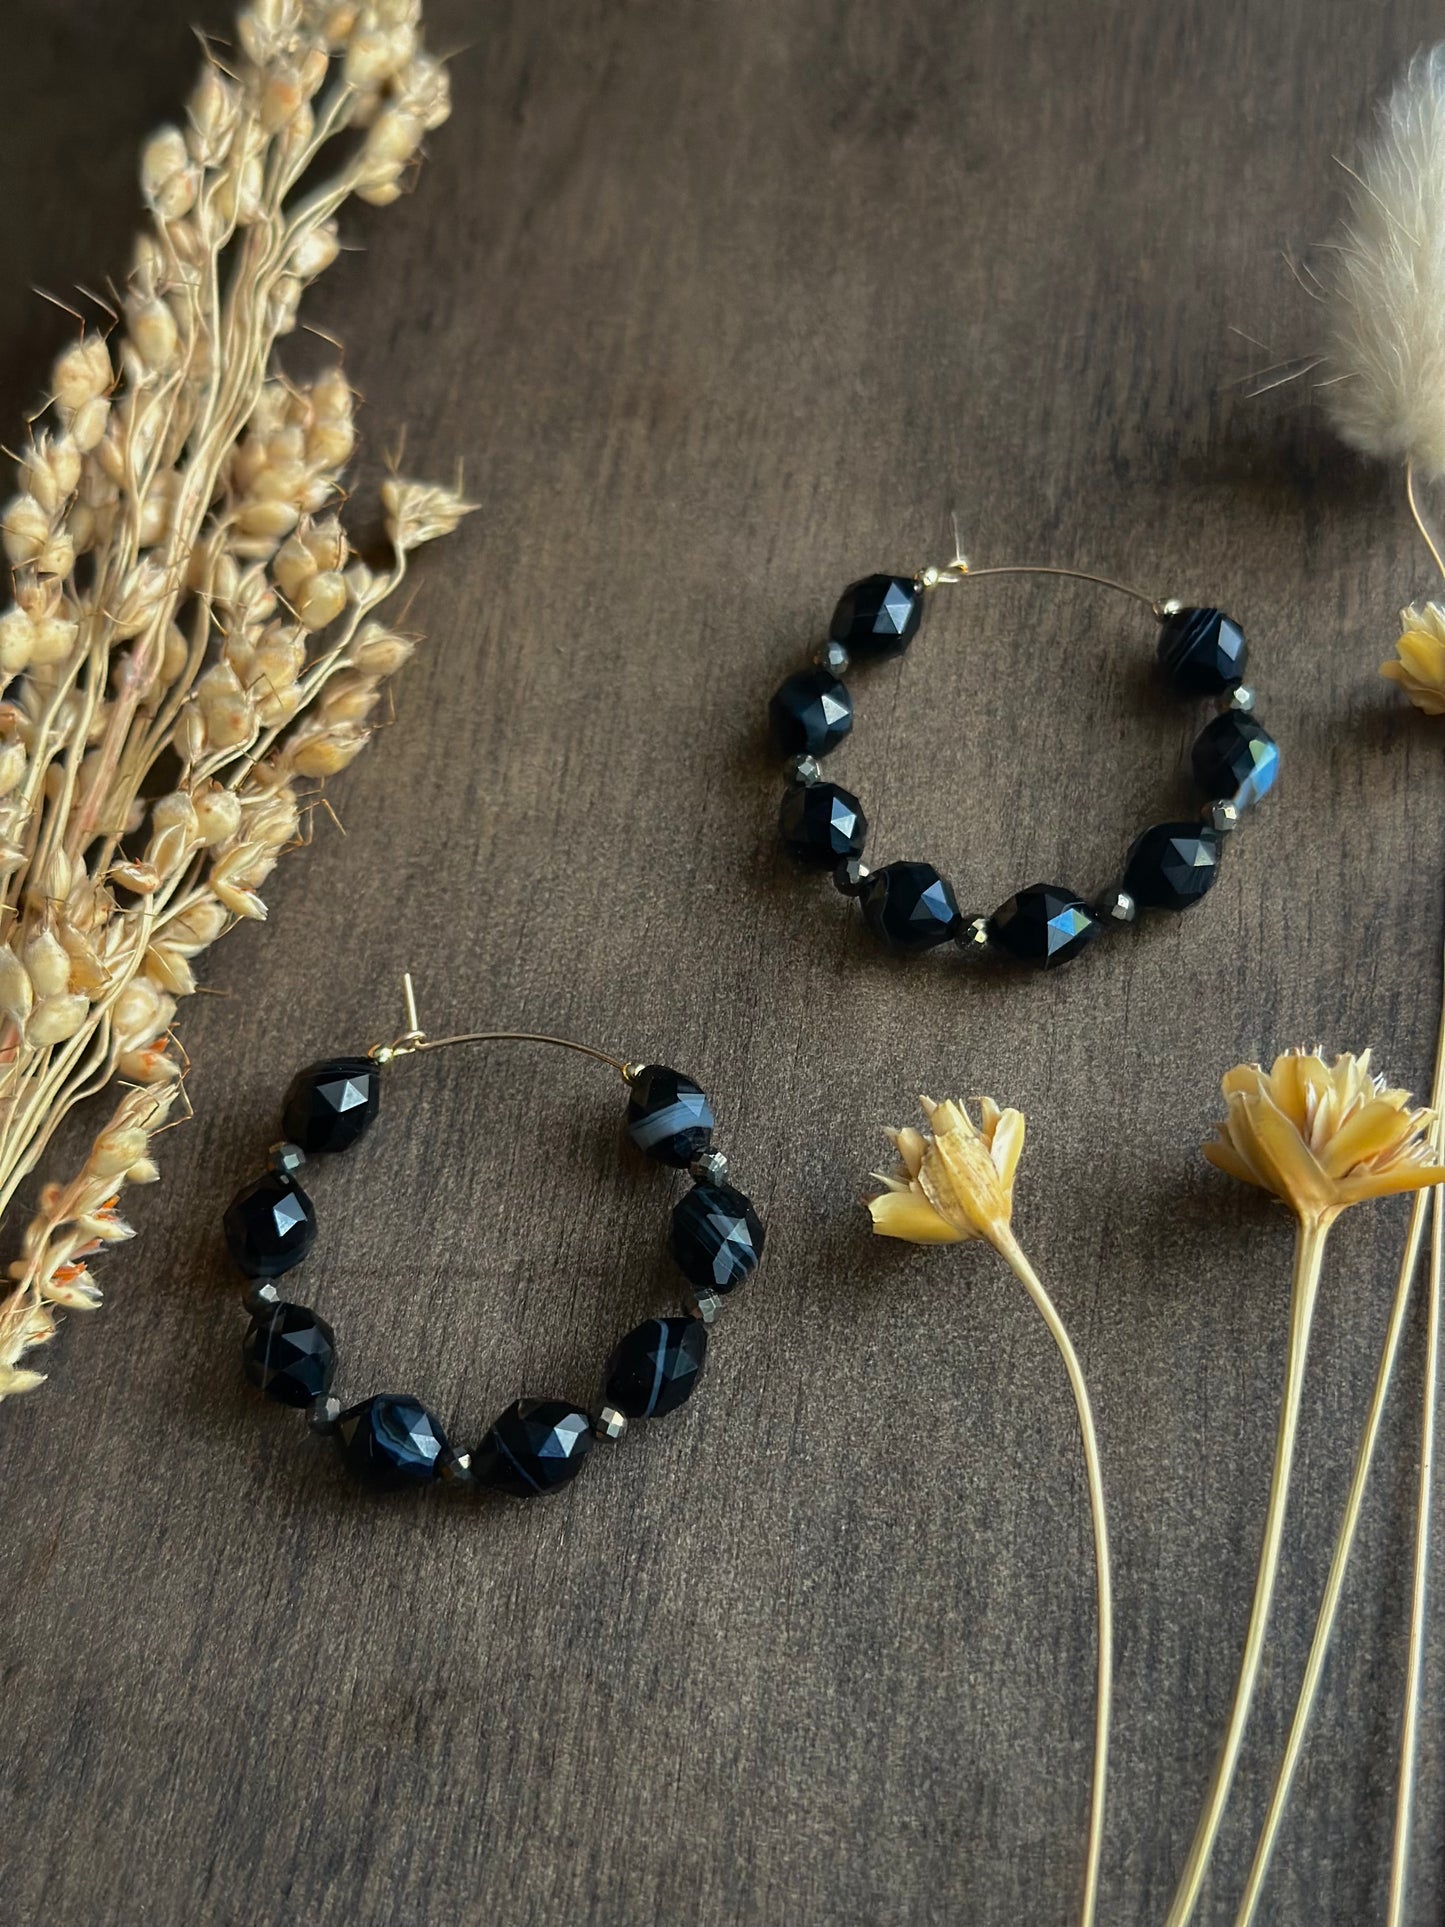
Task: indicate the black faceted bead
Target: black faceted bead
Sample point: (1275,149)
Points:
(290,1354)
(536,1446)
(822,825)
(1043,925)
(668,1116)
(1202,652)
(270,1225)
(909,907)
(392,1440)
(716,1238)
(1235,760)
(330,1105)
(810,714)
(1172,865)
(655,1368)
(877,617)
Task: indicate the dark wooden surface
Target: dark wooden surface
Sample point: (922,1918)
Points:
(723,304)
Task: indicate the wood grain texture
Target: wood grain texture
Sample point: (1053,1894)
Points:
(723,304)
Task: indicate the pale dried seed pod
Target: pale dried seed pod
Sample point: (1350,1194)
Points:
(169,178)
(27,530)
(157,338)
(117,1149)
(214,109)
(217,814)
(143,879)
(230,878)
(53,640)
(13,762)
(82,374)
(322,752)
(47,964)
(143,594)
(169,969)
(17,993)
(349,698)
(51,471)
(315,251)
(189,735)
(55,1020)
(194,929)
(140,1012)
(321,600)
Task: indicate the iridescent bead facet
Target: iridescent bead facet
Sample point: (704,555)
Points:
(1236,760)
(1044,925)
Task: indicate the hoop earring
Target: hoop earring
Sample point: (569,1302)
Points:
(908,906)
(537,1445)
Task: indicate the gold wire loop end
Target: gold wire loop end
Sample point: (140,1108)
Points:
(414,1040)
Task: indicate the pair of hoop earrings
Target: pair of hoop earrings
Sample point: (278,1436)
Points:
(535,1446)
(909,906)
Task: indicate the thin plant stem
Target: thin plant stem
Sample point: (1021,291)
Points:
(1349,1523)
(1308,1257)
(1009,1247)
(1344,1545)
(1415,1666)
(1419,520)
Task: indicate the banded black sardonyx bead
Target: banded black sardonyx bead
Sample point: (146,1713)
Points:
(717,1237)
(668,1116)
(655,1368)
(909,907)
(290,1354)
(391,1440)
(536,1446)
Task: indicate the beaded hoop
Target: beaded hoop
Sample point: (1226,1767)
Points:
(537,1445)
(908,906)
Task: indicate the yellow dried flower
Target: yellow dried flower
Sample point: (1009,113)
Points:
(1419,666)
(1322,1136)
(957,1181)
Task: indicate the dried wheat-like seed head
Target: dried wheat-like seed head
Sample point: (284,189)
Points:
(182,585)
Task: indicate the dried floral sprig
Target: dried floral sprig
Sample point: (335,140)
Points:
(1321,1137)
(1384,289)
(954,1184)
(184,592)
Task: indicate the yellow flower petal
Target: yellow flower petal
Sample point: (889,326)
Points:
(903,1214)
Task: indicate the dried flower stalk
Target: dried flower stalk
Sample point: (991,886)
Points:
(955,1184)
(187,613)
(1321,1137)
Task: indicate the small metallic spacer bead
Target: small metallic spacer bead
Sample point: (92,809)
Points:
(1116,906)
(1222,816)
(1237,701)
(850,875)
(324,1413)
(609,1424)
(1170,606)
(631,1072)
(803,770)
(973,934)
(711,1167)
(706,1305)
(285,1158)
(456,1467)
(833,657)
(261,1296)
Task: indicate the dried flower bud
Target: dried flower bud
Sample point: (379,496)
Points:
(315,251)
(418,512)
(142,595)
(154,332)
(27,530)
(140,1012)
(117,1149)
(13,760)
(215,107)
(230,880)
(198,926)
(321,600)
(957,1181)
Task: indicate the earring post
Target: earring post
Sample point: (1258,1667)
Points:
(414,1040)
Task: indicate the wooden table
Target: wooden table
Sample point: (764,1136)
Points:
(721,305)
